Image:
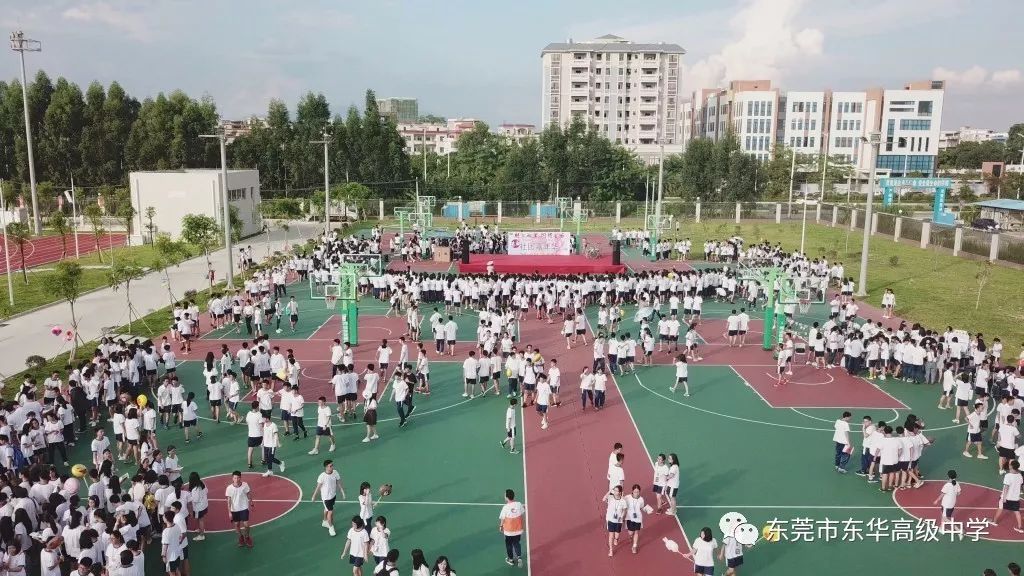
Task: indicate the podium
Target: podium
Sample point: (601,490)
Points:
(442,254)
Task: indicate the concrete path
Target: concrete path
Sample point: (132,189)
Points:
(30,334)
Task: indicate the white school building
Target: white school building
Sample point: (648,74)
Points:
(175,193)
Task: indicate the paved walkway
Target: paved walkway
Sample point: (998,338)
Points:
(30,334)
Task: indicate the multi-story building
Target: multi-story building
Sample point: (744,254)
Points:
(824,122)
(400,110)
(438,138)
(518,132)
(748,108)
(951,138)
(237,128)
(628,91)
(910,128)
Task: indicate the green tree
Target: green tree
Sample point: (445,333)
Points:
(65,282)
(122,273)
(94,214)
(201,231)
(169,252)
(20,233)
(60,225)
(150,228)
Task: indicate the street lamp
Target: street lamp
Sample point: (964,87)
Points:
(792,174)
(875,138)
(7,252)
(70,196)
(21,45)
(326,141)
(224,203)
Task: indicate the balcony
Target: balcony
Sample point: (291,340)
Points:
(649,79)
(580,91)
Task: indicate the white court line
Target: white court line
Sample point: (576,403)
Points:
(375,502)
(906,508)
(294,502)
(529,555)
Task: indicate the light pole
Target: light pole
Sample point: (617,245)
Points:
(792,173)
(327,182)
(20,44)
(70,196)
(657,207)
(224,203)
(7,253)
(875,138)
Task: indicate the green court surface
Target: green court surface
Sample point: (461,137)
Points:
(739,455)
(448,473)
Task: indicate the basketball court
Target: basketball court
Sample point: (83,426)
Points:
(744,445)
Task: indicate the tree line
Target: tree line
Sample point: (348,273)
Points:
(100,135)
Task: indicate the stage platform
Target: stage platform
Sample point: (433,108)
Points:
(545,265)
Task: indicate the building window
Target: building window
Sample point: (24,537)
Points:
(237,194)
(812,141)
(924,108)
(907,124)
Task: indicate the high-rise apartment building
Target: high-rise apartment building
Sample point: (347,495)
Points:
(400,110)
(825,122)
(629,91)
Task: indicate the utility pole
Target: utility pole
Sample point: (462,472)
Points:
(20,44)
(792,173)
(7,244)
(327,181)
(875,138)
(224,204)
(657,207)
(424,155)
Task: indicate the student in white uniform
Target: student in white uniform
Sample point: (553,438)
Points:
(328,484)
(1009,499)
(635,510)
(702,552)
(682,375)
(615,514)
(510,426)
(947,498)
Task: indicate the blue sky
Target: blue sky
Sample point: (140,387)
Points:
(481,59)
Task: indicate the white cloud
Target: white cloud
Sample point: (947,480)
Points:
(766,41)
(977,78)
(127,21)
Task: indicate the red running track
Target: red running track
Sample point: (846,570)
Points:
(49,249)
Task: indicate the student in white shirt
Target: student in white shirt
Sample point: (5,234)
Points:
(843,444)
(615,514)
(510,426)
(357,545)
(328,485)
(947,498)
(271,442)
(635,509)
(682,375)
(702,552)
(672,483)
(1009,498)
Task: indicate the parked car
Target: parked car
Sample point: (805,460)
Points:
(986,224)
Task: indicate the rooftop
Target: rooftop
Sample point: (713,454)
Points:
(612,43)
(1002,204)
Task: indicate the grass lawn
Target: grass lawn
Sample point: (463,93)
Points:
(33,294)
(932,286)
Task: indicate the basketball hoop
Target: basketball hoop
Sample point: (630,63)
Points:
(330,302)
(805,305)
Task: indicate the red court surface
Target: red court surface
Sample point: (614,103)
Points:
(48,249)
(272,497)
(975,504)
(566,478)
(573,264)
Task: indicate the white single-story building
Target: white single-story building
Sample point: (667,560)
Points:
(176,193)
